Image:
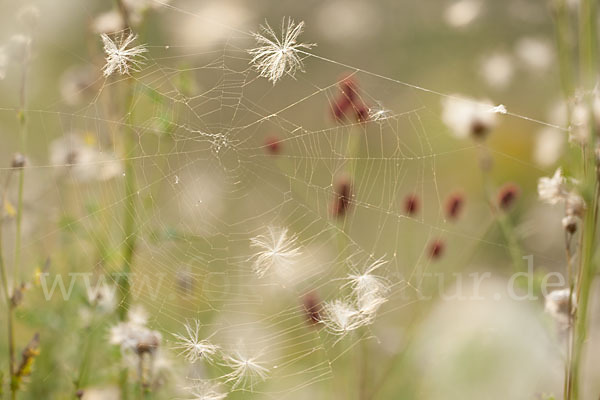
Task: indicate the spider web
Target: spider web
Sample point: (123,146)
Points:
(207,183)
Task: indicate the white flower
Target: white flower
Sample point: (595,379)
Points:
(462,12)
(276,56)
(277,251)
(245,371)
(536,54)
(552,190)
(133,335)
(121,58)
(468,117)
(341,317)
(194,348)
(19,48)
(77,82)
(103,296)
(549,145)
(206,390)
(579,129)
(108,22)
(574,205)
(29,16)
(85,163)
(497,69)
(557,304)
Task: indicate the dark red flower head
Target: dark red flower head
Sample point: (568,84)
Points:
(507,196)
(411,204)
(343,194)
(312,308)
(273,144)
(454,205)
(436,249)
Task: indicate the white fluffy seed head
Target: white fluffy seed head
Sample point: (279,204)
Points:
(192,347)
(206,390)
(120,57)
(246,371)
(557,305)
(552,190)
(276,250)
(276,55)
(341,317)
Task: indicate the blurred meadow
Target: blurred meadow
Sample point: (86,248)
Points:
(179,224)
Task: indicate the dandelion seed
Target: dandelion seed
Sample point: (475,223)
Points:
(121,58)
(367,284)
(275,55)
(277,251)
(379,113)
(552,190)
(499,109)
(206,390)
(192,347)
(341,317)
(246,372)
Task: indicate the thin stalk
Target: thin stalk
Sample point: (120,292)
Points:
(129,219)
(561,18)
(587,59)
(10,319)
(363,371)
(129,227)
(587,42)
(505,226)
(586,277)
(22,139)
(568,379)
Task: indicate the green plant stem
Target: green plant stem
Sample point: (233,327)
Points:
(129,224)
(22,140)
(561,17)
(10,319)
(587,59)
(586,276)
(587,42)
